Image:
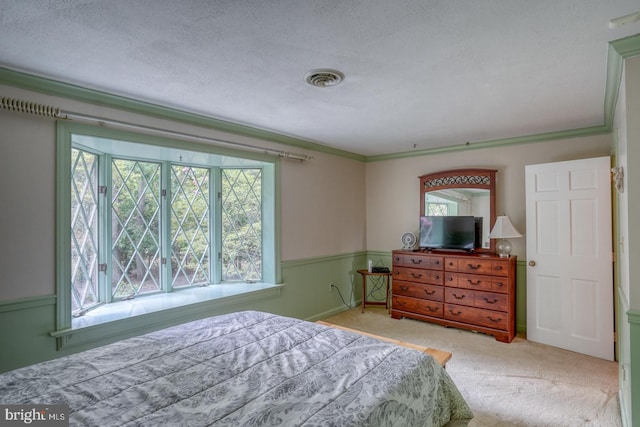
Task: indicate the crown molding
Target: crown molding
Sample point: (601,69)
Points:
(527,139)
(628,46)
(66,90)
(618,51)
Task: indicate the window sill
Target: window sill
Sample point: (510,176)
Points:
(122,319)
(152,303)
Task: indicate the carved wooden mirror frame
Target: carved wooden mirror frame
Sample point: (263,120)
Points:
(460,179)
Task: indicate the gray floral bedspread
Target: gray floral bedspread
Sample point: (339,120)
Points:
(243,369)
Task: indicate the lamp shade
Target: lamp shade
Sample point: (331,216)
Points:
(503,229)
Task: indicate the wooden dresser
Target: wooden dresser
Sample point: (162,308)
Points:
(470,291)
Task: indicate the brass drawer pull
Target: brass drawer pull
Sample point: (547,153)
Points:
(457,313)
(458,296)
(431,309)
(499,284)
(474,267)
(495,300)
(428,292)
(494,320)
(416,261)
(416,276)
(498,267)
(436,277)
(404,288)
(476,283)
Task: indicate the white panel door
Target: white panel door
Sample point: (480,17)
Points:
(569,256)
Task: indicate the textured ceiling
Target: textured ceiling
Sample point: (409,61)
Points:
(419,74)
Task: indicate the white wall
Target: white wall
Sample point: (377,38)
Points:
(322,200)
(27,206)
(323,210)
(393,185)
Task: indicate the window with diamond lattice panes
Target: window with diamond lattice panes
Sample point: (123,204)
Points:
(439,206)
(241,197)
(190,210)
(84,229)
(155,223)
(135,228)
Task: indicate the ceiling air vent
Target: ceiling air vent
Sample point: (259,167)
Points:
(324,77)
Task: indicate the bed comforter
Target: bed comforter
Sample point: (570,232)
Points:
(243,369)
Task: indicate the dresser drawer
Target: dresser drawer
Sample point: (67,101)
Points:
(468,265)
(500,268)
(469,281)
(459,296)
(472,281)
(419,260)
(418,290)
(434,277)
(480,299)
(477,316)
(415,305)
(477,266)
(500,284)
(491,301)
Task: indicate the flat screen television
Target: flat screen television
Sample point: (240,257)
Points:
(448,232)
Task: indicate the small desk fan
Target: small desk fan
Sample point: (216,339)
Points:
(408,240)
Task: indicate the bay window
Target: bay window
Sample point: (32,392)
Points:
(147,216)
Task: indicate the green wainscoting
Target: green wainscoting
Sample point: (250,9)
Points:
(630,402)
(521,297)
(305,293)
(312,295)
(26,324)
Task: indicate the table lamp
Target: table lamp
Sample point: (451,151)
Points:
(503,230)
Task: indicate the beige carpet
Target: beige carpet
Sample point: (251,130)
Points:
(517,384)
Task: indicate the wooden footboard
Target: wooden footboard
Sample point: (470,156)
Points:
(440,356)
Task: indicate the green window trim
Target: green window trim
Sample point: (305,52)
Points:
(206,154)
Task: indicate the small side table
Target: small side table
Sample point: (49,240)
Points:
(365,274)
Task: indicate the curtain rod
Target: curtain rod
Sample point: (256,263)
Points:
(29,107)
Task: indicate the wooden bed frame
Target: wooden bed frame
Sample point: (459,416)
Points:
(440,356)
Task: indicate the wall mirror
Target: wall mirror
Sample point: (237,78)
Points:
(469,192)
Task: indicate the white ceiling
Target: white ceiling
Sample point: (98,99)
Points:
(419,74)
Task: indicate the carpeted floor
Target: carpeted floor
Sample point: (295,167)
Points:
(517,384)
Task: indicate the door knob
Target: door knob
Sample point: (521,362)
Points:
(532,263)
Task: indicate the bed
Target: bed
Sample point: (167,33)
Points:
(244,369)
